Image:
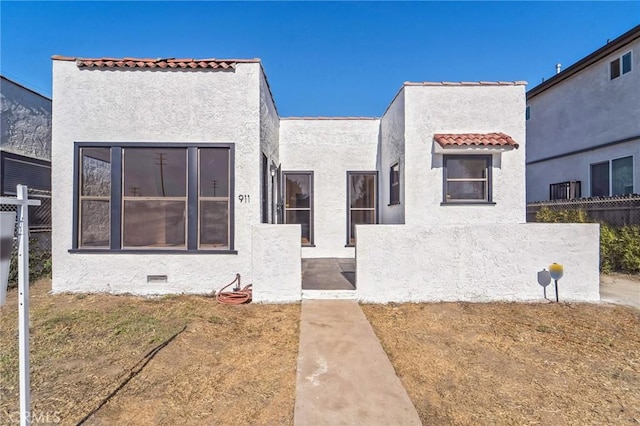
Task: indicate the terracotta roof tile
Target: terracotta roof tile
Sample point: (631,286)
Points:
(173,63)
(474,139)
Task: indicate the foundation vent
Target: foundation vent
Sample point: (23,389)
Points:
(156,278)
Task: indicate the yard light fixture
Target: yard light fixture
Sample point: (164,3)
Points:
(544,279)
(556,271)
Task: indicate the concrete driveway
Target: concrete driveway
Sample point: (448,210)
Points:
(620,289)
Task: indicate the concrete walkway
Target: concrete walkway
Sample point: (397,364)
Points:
(344,376)
(620,290)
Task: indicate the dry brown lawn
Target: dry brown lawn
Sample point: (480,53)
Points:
(230,365)
(93,355)
(502,363)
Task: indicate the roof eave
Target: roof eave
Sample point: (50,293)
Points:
(587,61)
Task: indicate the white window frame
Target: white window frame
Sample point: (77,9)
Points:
(610,162)
(620,59)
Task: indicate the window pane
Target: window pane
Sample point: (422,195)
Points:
(96,172)
(214,224)
(154,224)
(622,176)
(395,174)
(214,172)
(298,191)
(360,217)
(394,187)
(626,63)
(466,191)
(466,168)
(615,69)
(600,180)
(94,223)
(302,217)
(155,172)
(362,190)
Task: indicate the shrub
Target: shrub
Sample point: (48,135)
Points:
(39,263)
(619,247)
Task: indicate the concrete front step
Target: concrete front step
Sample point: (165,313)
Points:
(329,295)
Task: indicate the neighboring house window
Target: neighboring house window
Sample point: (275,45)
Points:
(298,208)
(527,113)
(613,177)
(146,197)
(620,66)
(394,184)
(565,190)
(467,178)
(362,190)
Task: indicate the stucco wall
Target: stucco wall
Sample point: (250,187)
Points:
(25,121)
(583,111)
(102,105)
(577,167)
(391,151)
(586,109)
(276,264)
(477,263)
(269,139)
(329,148)
(435,109)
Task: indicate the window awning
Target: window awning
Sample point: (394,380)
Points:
(447,142)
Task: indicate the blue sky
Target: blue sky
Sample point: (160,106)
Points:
(329,59)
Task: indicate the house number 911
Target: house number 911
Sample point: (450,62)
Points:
(244,198)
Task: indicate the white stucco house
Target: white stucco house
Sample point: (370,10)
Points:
(583,126)
(173,175)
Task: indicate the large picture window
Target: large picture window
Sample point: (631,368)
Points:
(298,208)
(362,190)
(154,197)
(467,179)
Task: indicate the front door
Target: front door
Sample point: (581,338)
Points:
(362,201)
(298,203)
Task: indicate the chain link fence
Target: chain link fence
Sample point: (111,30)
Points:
(39,237)
(616,211)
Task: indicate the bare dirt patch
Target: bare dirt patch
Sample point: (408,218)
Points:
(506,363)
(230,365)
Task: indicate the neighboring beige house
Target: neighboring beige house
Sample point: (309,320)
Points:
(583,126)
(173,175)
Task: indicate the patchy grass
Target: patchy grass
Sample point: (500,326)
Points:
(501,363)
(231,365)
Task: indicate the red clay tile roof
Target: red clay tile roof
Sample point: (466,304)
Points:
(170,63)
(474,139)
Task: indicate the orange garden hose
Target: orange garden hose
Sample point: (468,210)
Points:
(236,297)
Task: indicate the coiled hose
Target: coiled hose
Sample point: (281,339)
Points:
(236,297)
